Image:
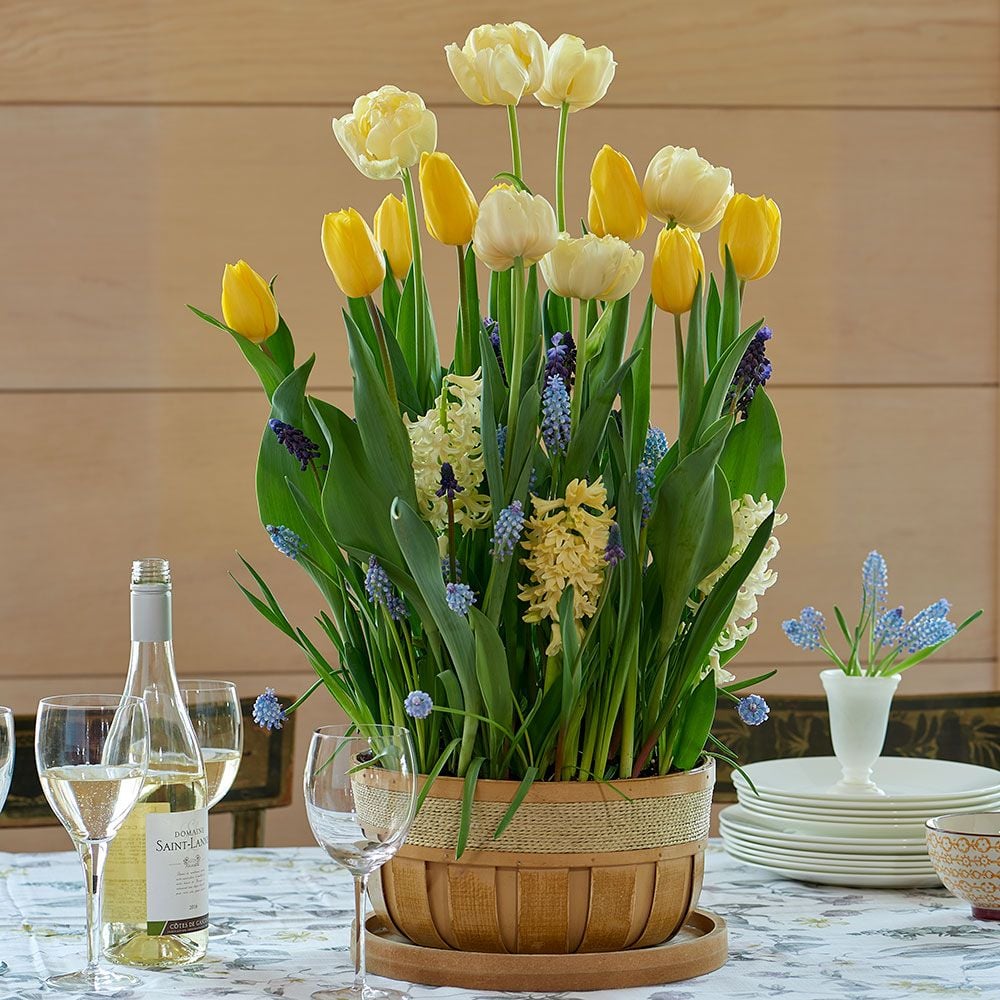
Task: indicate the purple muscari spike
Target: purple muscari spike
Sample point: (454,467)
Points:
(267,710)
(302,448)
(459,597)
(889,627)
(753,371)
(507,530)
(614,551)
(418,705)
(807,630)
(449,484)
(446,568)
(492,328)
(380,590)
(874,581)
(502,441)
(645,480)
(656,447)
(560,358)
(286,541)
(753,710)
(555,416)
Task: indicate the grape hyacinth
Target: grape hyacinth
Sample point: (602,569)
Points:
(614,551)
(459,597)
(753,371)
(380,590)
(502,442)
(418,705)
(656,446)
(645,480)
(889,627)
(449,483)
(301,447)
(928,628)
(267,711)
(807,630)
(446,568)
(507,530)
(753,710)
(286,541)
(560,358)
(555,416)
(492,328)
(874,581)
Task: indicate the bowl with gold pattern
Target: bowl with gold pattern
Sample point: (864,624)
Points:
(965,851)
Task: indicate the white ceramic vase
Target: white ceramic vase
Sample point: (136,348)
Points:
(859,715)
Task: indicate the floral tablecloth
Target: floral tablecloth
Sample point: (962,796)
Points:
(290,910)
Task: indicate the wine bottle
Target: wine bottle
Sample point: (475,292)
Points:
(156,876)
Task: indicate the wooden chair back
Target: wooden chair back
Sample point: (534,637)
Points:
(964,727)
(264,780)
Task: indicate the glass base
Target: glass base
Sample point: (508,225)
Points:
(215,932)
(99,980)
(4,967)
(353,992)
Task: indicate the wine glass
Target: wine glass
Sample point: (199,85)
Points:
(6,769)
(92,751)
(214,708)
(343,763)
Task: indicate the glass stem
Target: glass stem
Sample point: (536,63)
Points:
(360,888)
(93,855)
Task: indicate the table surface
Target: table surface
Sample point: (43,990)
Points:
(290,910)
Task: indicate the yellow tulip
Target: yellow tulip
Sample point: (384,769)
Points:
(616,206)
(248,306)
(677,265)
(450,207)
(392,233)
(352,253)
(499,63)
(513,224)
(386,132)
(751,228)
(591,267)
(682,187)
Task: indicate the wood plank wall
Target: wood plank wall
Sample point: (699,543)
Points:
(145,144)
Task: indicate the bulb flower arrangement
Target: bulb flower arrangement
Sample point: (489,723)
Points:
(514,562)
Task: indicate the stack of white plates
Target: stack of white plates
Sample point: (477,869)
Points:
(797,826)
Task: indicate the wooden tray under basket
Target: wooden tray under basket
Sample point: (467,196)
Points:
(700,947)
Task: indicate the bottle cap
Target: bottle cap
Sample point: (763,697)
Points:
(151,571)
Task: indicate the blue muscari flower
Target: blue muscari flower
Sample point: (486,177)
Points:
(560,358)
(555,416)
(753,710)
(492,328)
(874,581)
(614,551)
(656,447)
(267,710)
(889,627)
(807,630)
(753,371)
(928,628)
(502,441)
(418,705)
(645,480)
(446,568)
(302,448)
(459,597)
(507,530)
(449,483)
(286,541)
(380,590)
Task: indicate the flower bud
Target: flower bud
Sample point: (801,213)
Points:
(392,233)
(513,224)
(499,63)
(684,188)
(751,228)
(248,305)
(450,207)
(616,206)
(575,75)
(591,267)
(352,253)
(677,265)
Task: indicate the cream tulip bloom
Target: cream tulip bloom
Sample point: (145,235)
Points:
(591,267)
(683,187)
(575,75)
(513,224)
(386,132)
(499,63)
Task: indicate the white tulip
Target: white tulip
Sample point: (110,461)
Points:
(513,224)
(591,267)
(499,63)
(683,187)
(575,75)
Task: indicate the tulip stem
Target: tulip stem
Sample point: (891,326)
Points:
(576,406)
(679,343)
(517,362)
(465,347)
(420,374)
(515,141)
(561,167)
(390,377)
(267,350)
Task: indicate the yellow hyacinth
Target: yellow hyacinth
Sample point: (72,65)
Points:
(449,432)
(566,540)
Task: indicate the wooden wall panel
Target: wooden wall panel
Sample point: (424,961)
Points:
(887,272)
(720,52)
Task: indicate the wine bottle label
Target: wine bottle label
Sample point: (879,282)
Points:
(125,873)
(177,872)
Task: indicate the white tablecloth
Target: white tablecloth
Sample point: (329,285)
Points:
(291,908)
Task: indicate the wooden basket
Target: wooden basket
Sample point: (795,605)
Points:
(582,867)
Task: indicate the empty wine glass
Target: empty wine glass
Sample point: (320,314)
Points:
(361,794)
(214,708)
(92,752)
(6,769)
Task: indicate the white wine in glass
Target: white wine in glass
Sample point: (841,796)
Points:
(6,769)
(338,757)
(92,752)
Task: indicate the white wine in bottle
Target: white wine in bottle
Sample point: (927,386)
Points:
(156,877)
